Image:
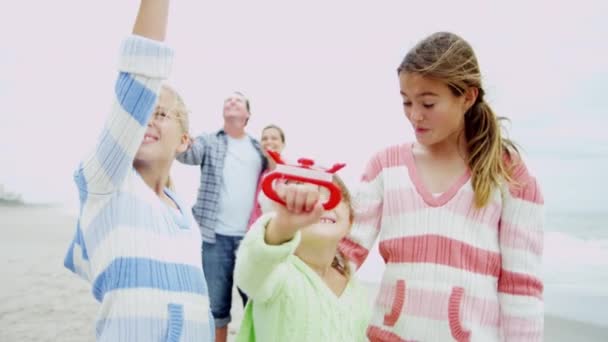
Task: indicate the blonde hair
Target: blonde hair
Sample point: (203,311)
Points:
(446,57)
(340,261)
(179,111)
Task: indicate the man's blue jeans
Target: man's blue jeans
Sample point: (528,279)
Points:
(218,265)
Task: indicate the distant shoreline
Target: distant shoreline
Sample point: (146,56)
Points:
(12,203)
(4,203)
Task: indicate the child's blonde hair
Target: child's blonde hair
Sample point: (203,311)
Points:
(340,262)
(179,111)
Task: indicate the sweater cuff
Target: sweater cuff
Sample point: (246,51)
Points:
(272,252)
(143,56)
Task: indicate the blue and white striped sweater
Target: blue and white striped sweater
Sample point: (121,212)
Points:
(141,257)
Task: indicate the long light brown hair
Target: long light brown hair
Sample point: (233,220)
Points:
(448,58)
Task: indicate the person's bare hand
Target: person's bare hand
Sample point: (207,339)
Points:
(302,208)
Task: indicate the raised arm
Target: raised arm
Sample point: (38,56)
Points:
(273,239)
(258,270)
(144,63)
(151,21)
(520,288)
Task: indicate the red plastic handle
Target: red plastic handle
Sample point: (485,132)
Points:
(335,195)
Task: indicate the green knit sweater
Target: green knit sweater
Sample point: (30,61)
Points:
(289,301)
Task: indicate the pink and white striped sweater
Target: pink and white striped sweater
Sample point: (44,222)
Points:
(453,272)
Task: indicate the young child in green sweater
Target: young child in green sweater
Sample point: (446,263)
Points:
(301,288)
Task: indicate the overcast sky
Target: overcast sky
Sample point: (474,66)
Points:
(322,70)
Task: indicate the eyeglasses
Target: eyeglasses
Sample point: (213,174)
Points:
(161,116)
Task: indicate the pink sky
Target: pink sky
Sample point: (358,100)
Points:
(322,70)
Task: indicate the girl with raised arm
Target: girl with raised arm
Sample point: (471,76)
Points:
(135,242)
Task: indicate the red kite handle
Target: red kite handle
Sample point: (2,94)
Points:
(335,195)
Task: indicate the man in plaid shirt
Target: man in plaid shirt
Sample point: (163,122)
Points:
(231,164)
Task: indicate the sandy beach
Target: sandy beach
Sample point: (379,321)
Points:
(42,301)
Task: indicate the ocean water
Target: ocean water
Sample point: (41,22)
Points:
(576,232)
(576,266)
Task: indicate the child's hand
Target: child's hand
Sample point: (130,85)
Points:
(302,208)
(302,205)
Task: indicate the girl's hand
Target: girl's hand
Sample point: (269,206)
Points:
(302,208)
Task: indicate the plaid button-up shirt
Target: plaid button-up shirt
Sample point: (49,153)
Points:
(209,151)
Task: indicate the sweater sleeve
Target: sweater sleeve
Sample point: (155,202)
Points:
(259,269)
(367,205)
(143,65)
(520,287)
(195,153)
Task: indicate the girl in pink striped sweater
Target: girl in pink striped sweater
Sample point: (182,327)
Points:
(458,216)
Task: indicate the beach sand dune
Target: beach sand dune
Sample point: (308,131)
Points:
(41,301)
